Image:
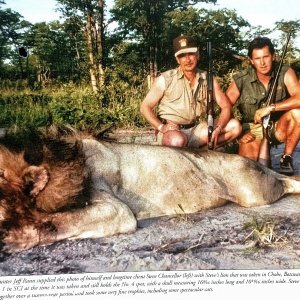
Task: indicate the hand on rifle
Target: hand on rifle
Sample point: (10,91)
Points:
(262,112)
(215,135)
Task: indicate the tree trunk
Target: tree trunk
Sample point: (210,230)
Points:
(100,42)
(93,68)
(153,40)
(95,46)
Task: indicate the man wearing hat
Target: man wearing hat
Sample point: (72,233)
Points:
(181,97)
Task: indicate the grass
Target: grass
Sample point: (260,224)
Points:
(264,233)
(117,105)
(72,105)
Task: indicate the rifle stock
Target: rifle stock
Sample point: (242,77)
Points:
(210,107)
(264,150)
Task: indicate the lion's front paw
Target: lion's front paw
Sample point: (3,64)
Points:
(17,240)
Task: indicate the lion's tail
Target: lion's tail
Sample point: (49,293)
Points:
(291,184)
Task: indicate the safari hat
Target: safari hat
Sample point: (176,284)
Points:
(184,44)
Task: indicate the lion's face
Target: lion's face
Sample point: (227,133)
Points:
(10,183)
(17,182)
(12,166)
(20,183)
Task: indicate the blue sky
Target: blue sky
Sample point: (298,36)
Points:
(34,10)
(263,12)
(256,12)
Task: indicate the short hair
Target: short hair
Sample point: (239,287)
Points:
(259,43)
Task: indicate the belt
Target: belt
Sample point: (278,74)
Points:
(186,126)
(181,126)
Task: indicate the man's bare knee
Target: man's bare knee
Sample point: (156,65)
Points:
(296,114)
(249,150)
(174,139)
(235,127)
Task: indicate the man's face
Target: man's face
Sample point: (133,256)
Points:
(188,61)
(262,60)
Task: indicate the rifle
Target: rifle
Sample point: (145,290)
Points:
(264,150)
(210,98)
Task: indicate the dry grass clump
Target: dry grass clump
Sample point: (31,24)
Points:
(265,233)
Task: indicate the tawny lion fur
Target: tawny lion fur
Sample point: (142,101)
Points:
(85,188)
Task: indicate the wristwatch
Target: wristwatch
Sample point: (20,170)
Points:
(273,107)
(160,126)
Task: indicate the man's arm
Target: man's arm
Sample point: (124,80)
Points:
(225,114)
(233,93)
(293,86)
(152,98)
(224,103)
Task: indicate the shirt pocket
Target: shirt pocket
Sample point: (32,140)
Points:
(174,93)
(248,108)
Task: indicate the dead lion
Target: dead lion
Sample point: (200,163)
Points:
(90,189)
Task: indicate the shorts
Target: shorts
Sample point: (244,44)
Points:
(191,133)
(257,131)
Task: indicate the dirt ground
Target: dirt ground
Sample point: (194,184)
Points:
(229,237)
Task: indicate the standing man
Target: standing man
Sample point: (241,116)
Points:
(181,97)
(249,89)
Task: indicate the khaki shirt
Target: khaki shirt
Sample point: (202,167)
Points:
(179,103)
(253,93)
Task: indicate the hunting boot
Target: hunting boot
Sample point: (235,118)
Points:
(286,165)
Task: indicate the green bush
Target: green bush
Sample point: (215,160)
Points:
(117,105)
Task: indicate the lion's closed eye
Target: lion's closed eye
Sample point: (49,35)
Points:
(2,175)
(3,180)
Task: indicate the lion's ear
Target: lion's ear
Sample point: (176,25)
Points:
(35,179)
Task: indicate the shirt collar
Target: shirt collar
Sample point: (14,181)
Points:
(180,73)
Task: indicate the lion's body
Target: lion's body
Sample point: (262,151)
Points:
(124,182)
(155,181)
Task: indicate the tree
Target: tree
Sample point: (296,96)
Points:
(285,27)
(222,27)
(54,52)
(290,26)
(12,29)
(145,21)
(90,13)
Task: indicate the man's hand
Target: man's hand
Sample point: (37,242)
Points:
(260,113)
(215,136)
(168,127)
(246,138)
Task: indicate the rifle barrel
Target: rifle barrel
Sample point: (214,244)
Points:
(264,149)
(210,109)
(272,91)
